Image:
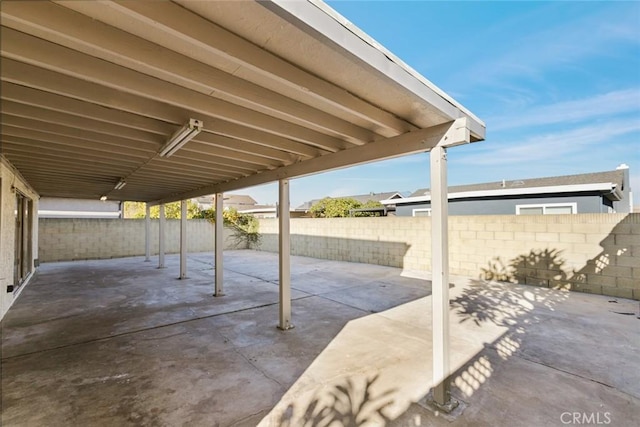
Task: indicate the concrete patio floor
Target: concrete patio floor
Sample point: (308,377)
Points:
(120,342)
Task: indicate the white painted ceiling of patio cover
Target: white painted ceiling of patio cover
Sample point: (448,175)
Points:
(92,90)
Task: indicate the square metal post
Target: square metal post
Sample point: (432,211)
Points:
(219,246)
(440,279)
(183,239)
(147,234)
(284,246)
(161,238)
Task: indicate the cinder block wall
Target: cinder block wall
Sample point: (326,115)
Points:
(392,241)
(74,239)
(596,253)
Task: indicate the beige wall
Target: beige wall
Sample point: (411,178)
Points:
(597,253)
(76,239)
(10,181)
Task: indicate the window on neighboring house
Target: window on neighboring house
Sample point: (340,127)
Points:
(547,209)
(422,212)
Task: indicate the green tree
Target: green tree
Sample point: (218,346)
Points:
(333,208)
(341,207)
(368,205)
(134,210)
(171,210)
(245,227)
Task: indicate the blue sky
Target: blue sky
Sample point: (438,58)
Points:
(557,84)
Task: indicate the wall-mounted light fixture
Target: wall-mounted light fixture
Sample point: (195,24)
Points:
(181,137)
(103,198)
(120,184)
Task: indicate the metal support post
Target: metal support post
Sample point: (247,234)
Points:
(285,255)
(440,279)
(147,234)
(183,239)
(161,238)
(219,242)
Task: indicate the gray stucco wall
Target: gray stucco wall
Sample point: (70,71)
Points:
(507,206)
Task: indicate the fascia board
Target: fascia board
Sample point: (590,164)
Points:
(605,186)
(316,16)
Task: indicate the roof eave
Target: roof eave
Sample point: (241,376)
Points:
(608,188)
(315,16)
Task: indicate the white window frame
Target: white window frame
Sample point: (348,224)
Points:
(544,206)
(413,212)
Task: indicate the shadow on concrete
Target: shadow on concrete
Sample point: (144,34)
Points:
(608,273)
(514,349)
(348,403)
(503,306)
(547,349)
(380,364)
(121,342)
(481,305)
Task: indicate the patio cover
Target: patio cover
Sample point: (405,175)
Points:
(92,90)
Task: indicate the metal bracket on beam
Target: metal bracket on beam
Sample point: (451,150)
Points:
(458,134)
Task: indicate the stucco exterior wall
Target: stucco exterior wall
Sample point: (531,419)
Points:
(9,183)
(64,239)
(596,253)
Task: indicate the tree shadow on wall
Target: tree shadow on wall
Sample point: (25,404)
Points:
(616,260)
(608,273)
(538,267)
(349,404)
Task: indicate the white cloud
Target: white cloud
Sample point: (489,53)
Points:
(550,145)
(608,104)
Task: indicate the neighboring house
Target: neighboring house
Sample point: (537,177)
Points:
(602,192)
(54,207)
(236,201)
(362,198)
(240,202)
(261,211)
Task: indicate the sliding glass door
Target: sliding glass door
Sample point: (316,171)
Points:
(23,252)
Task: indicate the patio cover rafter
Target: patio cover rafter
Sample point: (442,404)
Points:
(445,135)
(278,86)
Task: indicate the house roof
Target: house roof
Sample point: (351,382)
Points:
(239,200)
(236,201)
(258,209)
(91,91)
(362,198)
(610,181)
